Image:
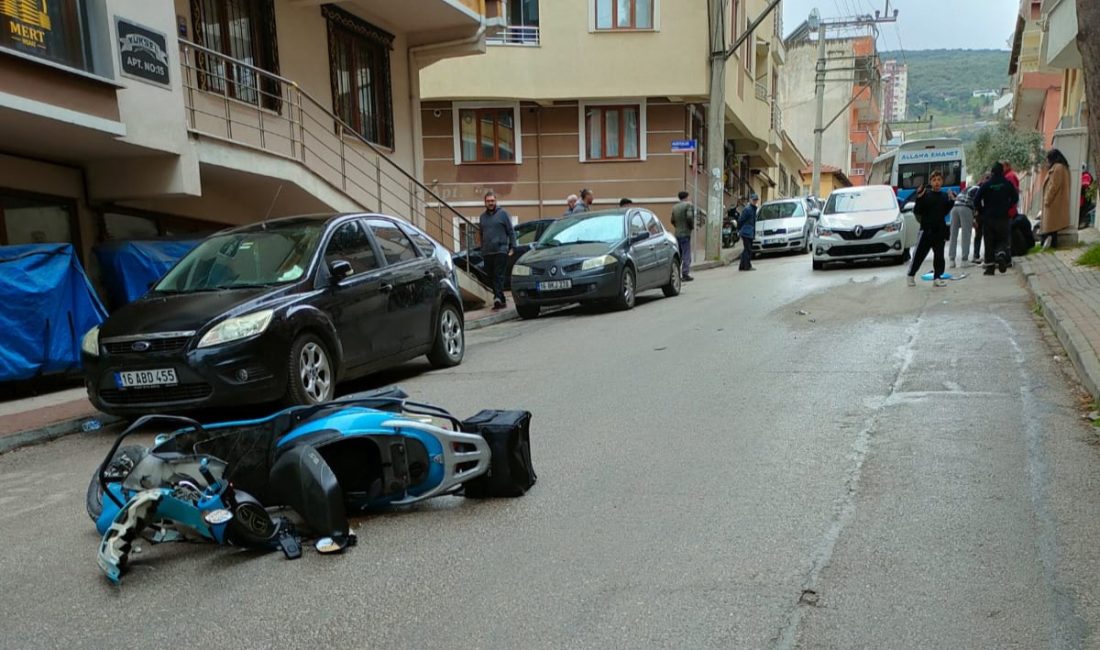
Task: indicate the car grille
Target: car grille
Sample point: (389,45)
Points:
(174,344)
(777,231)
(861,249)
(180,393)
(851,236)
(781,244)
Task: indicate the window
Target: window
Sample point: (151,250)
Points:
(35,220)
(55,30)
(625,14)
(396,247)
(527,233)
(351,243)
(420,240)
(242,30)
(652,225)
(359,67)
(487,134)
(913,175)
(612,132)
(637,224)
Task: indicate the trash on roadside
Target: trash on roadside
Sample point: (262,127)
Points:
(92,424)
(802,312)
(1092,416)
(1058,358)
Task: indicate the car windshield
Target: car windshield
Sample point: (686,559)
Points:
(585,229)
(780,211)
(867,200)
(245,259)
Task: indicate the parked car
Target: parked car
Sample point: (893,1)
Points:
(785,225)
(606,256)
(279,310)
(527,234)
(860,223)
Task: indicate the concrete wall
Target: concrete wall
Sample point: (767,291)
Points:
(799,108)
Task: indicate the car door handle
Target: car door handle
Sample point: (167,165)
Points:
(385,287)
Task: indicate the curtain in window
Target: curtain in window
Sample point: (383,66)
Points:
(632,133)
(613,133)
(604,14)
(595,133)
(467,127)
(644,12)
(506,135)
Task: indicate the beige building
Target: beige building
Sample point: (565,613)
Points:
(127,119)
(597,94)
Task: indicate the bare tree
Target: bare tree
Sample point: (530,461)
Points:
(1088,42)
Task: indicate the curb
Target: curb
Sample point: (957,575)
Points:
(1075,343)
(29,437)
(492,319)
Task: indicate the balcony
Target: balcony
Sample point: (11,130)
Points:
(762,92)
(1060,38)
(521,35)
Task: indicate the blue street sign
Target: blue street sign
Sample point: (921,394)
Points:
(685,146)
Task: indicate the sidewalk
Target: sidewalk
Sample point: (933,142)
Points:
(1069,296)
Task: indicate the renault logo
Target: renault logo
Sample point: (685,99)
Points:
(553,270)
(858,230)
(140,346)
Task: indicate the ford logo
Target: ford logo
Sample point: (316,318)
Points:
(553,270)
(141,346)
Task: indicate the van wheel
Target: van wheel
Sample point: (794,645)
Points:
(311,378)
(450,338)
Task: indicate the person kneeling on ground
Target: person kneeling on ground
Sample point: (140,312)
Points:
(932,209)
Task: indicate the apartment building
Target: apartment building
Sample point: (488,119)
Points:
(126,119)
(853,94)
(895,90)
(604,95)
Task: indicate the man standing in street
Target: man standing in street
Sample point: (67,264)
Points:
(570,203)
(962,225)
(498,241)
(996,198)
(932,209)
(585,204)
(683,220)
(747,231)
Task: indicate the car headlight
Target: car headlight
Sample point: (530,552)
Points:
(893,227)
(90,343)
(824,232)
(598,262)
(521,269)
(233,329)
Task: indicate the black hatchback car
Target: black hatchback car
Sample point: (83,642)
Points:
(597,257)
(279,311)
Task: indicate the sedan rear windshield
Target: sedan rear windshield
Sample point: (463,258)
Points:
(244,259)
(600,229)
(871,199)
(780,211)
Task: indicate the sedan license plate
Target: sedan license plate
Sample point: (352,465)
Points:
(146,378)
(555,285)
(774,240)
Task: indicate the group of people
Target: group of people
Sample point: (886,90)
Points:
(989,211)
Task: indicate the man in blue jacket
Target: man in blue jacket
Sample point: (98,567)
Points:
(747,231)
(498,241)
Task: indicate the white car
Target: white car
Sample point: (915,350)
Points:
(861,223)
(785,225)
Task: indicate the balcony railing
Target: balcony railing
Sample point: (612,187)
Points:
(777,118)
(230,100)
(523,35)
(762,92)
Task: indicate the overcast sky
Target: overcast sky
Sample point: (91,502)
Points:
(922,24)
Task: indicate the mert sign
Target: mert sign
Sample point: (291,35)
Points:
(143,53)
(929,155)
(684,146)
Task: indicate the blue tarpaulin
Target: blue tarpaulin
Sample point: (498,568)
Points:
(129,267)
(47,305)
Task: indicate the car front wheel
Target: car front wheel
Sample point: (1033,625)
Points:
(310,375)
(450,338)
(627,290)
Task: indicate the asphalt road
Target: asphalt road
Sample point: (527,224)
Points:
(778,459)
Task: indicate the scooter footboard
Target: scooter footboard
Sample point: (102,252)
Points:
(511,472)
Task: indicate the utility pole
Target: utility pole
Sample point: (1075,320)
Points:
(716,114)
(820,26)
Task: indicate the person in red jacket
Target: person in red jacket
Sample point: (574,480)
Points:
(1011,177)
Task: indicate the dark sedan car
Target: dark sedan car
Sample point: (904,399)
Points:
(280,310)
(606,256)
(527,234)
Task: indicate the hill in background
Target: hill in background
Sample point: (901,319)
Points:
(942,82)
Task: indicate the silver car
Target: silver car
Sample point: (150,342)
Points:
(785,225)
(862,223)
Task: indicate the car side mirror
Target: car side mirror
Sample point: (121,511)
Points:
(339,269)
(909,207)
(639,237)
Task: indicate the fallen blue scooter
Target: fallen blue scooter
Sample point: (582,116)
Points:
(225,482)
